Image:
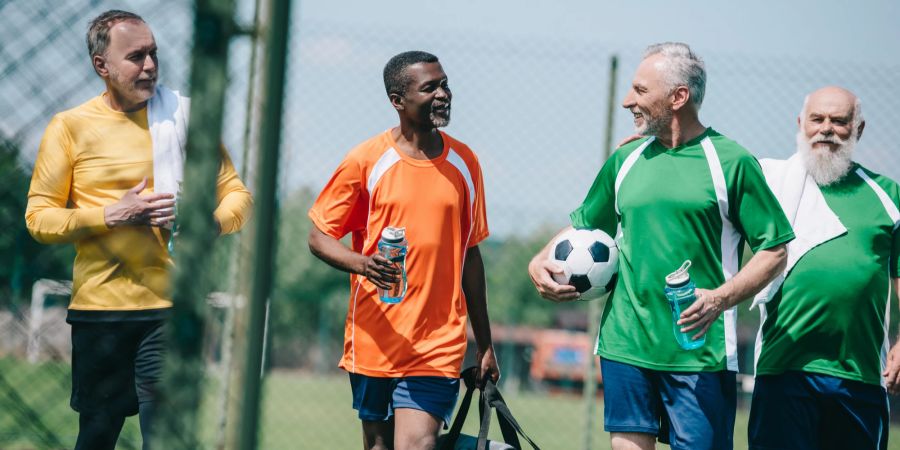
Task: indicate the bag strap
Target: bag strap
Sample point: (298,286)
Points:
(468,376)
(509,427)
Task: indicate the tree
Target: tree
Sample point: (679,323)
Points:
(22,259)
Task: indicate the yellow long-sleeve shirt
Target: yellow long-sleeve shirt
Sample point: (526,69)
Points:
(88,158)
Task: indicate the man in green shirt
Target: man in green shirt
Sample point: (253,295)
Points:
(685,192)
(823,361)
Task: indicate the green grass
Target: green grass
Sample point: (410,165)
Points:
(300,411)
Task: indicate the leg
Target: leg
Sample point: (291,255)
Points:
(856,415)
(415,429)
(421,406)
(633,441)
(378,435)
(148,367)
(631,405)
(784,413)
(372,398)
(98,431)
(102,381)
(699,409)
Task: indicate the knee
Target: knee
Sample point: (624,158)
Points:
(421,442)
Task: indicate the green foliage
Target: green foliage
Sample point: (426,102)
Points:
(22,259)
(512,298)
(309,301)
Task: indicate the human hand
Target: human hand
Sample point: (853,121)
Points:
(135,209)
(487,364)
(631,138)
(380,271)
(891,372)
(702,313)
(541,272)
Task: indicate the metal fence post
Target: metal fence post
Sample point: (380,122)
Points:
(262,229)
(594,308)
(182,386)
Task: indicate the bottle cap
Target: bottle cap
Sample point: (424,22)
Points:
(393,234)
(679,277)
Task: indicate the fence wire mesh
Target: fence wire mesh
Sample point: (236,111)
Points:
(533,110)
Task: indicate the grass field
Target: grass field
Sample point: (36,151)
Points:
(300,411)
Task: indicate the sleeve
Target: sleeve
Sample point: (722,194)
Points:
(754,210)
(235,204)
(479,229)
(895,253)
(598,211)
(47,216)
(342,206)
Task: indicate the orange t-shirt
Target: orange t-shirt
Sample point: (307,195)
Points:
(440,202)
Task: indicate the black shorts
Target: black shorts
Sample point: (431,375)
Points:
(116,365)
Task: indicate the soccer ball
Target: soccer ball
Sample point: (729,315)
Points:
(589,259)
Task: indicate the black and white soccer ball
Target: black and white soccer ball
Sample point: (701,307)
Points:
(590,262)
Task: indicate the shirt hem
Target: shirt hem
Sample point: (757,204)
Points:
(785,238)
(81,315)
(661,367)
(400,373)
(818,371)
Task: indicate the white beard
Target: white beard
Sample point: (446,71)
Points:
(826,166)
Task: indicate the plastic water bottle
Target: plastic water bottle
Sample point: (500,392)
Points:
(680,293)
(393,247)
(171,244)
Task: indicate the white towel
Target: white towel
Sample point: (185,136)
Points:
(167,117)
(805,208)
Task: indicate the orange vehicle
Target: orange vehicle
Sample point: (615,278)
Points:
(560,357)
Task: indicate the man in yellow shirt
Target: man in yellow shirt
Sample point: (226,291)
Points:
(93,184)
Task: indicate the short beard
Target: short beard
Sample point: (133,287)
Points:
(654,124)
(826,166)
(439,121)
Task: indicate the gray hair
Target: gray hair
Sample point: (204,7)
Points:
(681,67)
(98,31)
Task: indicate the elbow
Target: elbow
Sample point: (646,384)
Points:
(31,224)
(779,255)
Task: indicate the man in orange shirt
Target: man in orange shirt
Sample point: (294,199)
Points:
(404,359)
(96,184)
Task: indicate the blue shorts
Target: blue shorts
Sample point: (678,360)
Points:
(687,410)
(376,398)
(802,410)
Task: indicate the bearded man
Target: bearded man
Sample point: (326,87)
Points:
(683,192)
(823,367)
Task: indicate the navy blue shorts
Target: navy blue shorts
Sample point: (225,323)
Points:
(687,410)
(376,398)
(802,410)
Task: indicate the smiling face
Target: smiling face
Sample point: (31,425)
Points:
(129,66)
(649,99)
(827,134)
(827,120)
(426,100)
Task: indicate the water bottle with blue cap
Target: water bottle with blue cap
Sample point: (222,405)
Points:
(680,291)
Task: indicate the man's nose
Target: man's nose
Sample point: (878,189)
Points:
(442,93)
(628,102)
(149,63)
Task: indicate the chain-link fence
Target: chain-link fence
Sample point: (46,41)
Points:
(533,110)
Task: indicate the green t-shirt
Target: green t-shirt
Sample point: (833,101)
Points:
(830,315)
(669,206)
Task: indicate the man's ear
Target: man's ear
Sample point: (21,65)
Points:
(681,96)
(397,101)
(99,63)
(859,130)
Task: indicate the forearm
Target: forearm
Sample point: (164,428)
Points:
(475,290)
(334,253)
(55,225)
(759,271)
